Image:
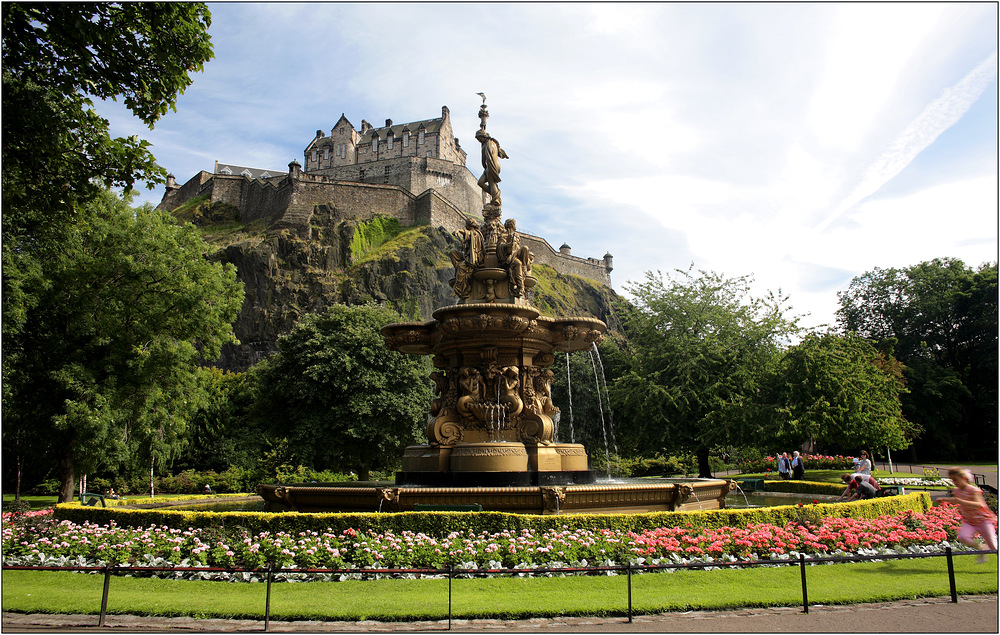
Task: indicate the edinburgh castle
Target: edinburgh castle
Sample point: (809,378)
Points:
(414,172)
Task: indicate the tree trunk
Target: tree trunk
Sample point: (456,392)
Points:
(704,471)
(152,460)
(17,480)
(363,474)
(67,479)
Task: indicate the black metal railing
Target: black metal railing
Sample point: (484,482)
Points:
(452,572)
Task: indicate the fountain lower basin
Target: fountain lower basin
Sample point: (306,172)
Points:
(595,498)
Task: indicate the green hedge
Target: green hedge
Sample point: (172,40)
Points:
(443,523)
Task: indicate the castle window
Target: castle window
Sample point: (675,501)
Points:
(361,174)
(385,176)
(247,174)
(326,153)
(315,155)
(420,138)
(389,141)
(406,139)
(374,145)
(265,175)
(225,170)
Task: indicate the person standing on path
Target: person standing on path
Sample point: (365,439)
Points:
(798,468)
(976,515)
(784,466)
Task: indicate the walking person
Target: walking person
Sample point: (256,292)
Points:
(784,466)
(798,467)
(976,515)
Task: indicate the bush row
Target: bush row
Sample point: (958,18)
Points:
(443,523)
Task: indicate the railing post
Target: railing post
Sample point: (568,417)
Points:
(449,596)
(104,597)
(628,568)
(951,575)
(805,595)
(267,601)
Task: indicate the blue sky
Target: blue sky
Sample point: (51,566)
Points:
(802,144)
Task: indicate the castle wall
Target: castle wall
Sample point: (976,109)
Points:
(261,200)
(590,268)
(194,187)
(357,200)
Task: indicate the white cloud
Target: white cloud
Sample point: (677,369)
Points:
(938,116)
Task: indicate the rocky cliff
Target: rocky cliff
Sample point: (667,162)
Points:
(350,262)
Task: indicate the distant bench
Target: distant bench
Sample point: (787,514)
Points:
(89,499)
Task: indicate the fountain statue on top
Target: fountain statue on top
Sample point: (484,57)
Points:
(491,422)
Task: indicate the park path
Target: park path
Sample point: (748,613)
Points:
(972,614)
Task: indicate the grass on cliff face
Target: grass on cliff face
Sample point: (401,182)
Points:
(499,597)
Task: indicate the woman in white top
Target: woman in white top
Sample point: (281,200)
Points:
(865,466)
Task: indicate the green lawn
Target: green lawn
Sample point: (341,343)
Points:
(499,597)
(36,502)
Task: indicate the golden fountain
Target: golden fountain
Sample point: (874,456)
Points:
(490,431)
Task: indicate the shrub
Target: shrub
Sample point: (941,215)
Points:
(657,465)
(443,523)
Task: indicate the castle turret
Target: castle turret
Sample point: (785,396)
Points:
(608,261)
(566,250)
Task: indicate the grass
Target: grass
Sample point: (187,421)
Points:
(36,502)
(498,597)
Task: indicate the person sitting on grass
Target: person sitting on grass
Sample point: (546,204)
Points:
(976,514)
(852,484)
(207,490)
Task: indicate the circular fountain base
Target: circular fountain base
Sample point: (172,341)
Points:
(649,495)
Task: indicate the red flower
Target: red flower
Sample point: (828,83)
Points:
(815,502)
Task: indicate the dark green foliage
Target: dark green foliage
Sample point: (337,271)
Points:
(939,318)
(339,396)
(104,371)
(57,151)
(839,390)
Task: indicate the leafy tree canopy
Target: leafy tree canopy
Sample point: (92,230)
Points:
(342,399)
(700,347)
(57,56)
(939,318)
(105,367)
(840,390)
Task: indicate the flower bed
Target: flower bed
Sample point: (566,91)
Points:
(47,541)
(916,481)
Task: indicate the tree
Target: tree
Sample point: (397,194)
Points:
(840,390)
(57,152)
(339,395)
(104,370)
(701,347)
(939,318)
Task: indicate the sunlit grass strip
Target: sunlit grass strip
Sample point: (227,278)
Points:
(501,596)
